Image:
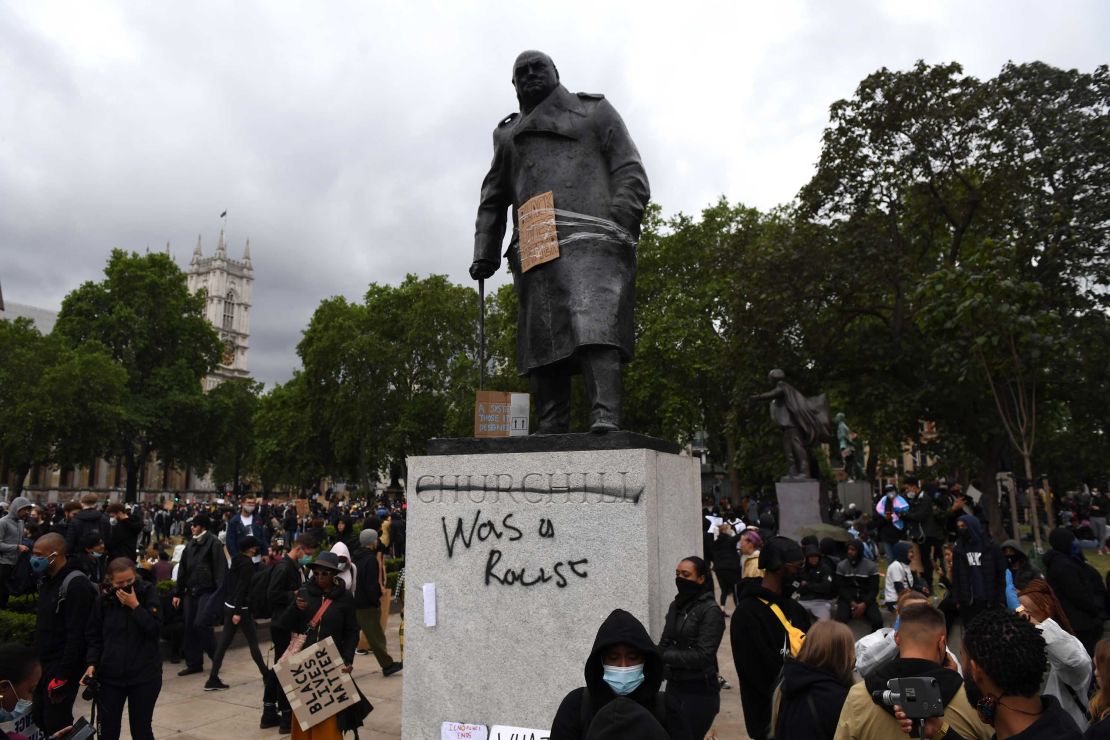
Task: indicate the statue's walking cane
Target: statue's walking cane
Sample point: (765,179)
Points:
(481,333)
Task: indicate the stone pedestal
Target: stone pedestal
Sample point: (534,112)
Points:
(855,492)
(799,505)
(530,543)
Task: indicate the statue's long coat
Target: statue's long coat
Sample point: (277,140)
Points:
(576,146)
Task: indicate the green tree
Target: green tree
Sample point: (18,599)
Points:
(234,406)
(57,405)
(292,447)
(154,329)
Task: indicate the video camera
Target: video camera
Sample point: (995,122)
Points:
(919,697)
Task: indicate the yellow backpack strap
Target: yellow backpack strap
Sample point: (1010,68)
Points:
(795,636)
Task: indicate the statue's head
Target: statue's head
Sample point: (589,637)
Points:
(776,375)
(534,77)
(840,417)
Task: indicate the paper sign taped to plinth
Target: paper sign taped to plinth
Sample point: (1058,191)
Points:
(460,731)
(315,684)
(500,414)
(503,732)
(539,240)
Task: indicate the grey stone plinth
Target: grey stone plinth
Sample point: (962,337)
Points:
(855,492)
(799,504)
(529,552)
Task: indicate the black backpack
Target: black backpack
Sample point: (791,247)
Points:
(258,600)
(368,594)
(1097,587)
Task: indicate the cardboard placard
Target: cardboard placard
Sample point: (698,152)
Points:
(500,414)
(315,684)
(539,240)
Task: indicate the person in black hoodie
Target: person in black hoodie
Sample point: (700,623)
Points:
(758,634)
(815,584)
(1078,586)
(237,612)
(1004,659)
(92,557)
(726,561)
(978,571)
(692,634)
(125,532)
(623,718)
(201,571)
(623,662)
(124,653)
(857,587)
(1018,562)
(815,685)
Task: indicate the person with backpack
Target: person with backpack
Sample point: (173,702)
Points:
(237,614)
(623,662)
(124,651)
(1077,585)
(767,625)
(89,519)
(814,686)
(368,590)
(11,543)
(65,599)
(269,598)
(248,523)
(200,573)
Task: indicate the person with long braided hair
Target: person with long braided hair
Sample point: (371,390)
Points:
(1069,666)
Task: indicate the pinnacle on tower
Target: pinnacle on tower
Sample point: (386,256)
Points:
(247,252)
(196,252)
(221,247)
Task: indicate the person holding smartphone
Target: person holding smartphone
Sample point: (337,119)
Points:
(124,657)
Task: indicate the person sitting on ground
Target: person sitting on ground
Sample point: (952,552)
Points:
(922,652)
(815,584)
(623,662)
(1069,666)
(857,585)
(1005,658)
(815,685)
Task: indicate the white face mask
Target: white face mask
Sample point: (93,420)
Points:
(248,510)
(256,558)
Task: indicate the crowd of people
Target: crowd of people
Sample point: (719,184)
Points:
(118,587)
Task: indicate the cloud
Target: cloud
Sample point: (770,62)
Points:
(348,140)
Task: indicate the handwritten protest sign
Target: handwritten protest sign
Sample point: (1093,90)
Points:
(539,241)
(504,732)
(500,414)
(460,731)
(315,684)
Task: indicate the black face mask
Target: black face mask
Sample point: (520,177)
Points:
(1013,560)
(687,587)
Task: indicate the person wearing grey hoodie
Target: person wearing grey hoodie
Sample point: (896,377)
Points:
(11,542)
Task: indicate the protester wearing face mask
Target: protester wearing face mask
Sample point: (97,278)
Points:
(20,672)
(691,636)
(246,524)
(978,571)
(1017,561)
(623,662)
(1004,656)
(126,530)
(202,569)
(11,542)
(124,654)
(65,599)
(237,611)
(92,560)
(285,581)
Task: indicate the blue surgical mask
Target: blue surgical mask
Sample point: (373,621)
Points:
(22,707)
(623,681)
(897,623)
(96,554)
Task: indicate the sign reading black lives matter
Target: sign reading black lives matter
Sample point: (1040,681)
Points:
(315,684)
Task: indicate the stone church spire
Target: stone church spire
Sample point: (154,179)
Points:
(247,252)
(221,247)
(196,253)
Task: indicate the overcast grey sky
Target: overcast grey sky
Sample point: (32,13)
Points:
(348,140)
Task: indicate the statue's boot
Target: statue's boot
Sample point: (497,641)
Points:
(551,389)
(601,371)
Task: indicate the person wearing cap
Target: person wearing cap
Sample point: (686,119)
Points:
(369,588)
(758,632)
(200,573)
(815,584)
(237,610)
(324,608)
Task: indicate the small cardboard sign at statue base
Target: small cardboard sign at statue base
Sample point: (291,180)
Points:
(315,684)
(500,414)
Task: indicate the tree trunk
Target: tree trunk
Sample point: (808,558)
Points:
(1033,504)
(988,479)
(131,465)
(21,471)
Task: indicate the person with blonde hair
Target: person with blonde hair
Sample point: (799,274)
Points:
(815,685)
(1099,706)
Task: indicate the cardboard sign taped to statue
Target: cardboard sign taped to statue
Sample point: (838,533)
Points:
(539,240)
(315,684)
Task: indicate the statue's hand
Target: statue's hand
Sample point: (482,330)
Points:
(482,269)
